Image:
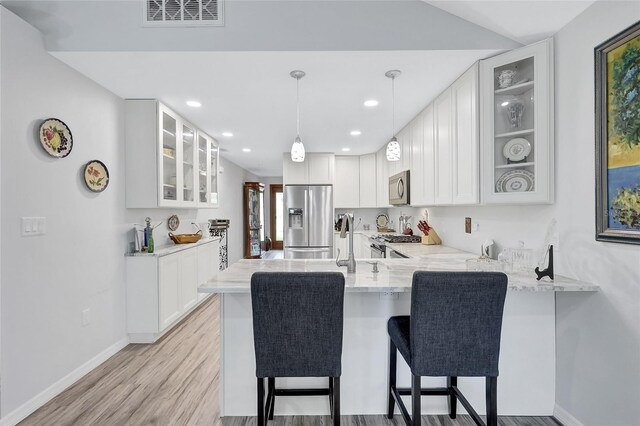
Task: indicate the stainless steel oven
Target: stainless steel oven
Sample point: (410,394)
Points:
(377,251)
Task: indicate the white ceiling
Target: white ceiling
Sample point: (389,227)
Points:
(524,21)
(252,95)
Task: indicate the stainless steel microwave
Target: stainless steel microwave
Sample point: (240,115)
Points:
(399,189)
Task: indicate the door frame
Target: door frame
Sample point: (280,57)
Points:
(273,190)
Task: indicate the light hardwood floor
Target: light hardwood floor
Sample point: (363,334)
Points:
(175,382)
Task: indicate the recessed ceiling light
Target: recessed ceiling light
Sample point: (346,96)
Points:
(356,133)
(194,104)
(246,149)
(227,134)
(505,103)
(346,149)
(371,103)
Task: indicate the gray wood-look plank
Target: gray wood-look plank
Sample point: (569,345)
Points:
(175,382)
(172,382)
(461,420)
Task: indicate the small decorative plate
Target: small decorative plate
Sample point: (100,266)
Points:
(56,138)
(173,222)
(516,181)
(382,220)
(96,176)
(517,149)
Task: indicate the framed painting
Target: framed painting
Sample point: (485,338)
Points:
(617,80)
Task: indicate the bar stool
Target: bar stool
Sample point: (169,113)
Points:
(454,330)
(297,332)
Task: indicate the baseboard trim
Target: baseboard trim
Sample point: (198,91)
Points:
(21,413)
(564,417)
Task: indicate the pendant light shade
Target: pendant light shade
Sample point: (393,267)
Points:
(297,149)
(393,147)
(393,150)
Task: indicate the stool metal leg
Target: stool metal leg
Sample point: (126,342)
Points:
(261,421)
(393,356)
(453,400)
(336,401)
(271,397)
(492,401)
(416,391)
(331,396)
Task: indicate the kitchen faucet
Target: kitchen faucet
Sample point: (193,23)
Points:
(350,262)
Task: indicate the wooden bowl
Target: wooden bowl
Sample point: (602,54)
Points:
(185,238)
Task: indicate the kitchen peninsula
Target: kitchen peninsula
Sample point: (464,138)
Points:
(527,362)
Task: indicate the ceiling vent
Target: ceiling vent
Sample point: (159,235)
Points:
(183,13)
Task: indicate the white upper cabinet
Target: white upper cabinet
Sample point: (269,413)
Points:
(516,128)
(368,176)
(428,156)
(465,155)
(417,161)
(321,169)
(443,149)
(317,169)
(346,193)
(163,164)
(382,178)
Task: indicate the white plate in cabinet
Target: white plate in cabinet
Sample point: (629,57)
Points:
(168,161)
(518,107)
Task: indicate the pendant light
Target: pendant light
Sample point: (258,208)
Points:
(297,149)
(393,147)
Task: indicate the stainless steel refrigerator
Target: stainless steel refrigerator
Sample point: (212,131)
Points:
(308,222)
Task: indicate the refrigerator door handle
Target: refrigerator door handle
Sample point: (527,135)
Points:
(306,213)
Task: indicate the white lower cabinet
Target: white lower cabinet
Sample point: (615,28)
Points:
(169,290)
(162,289)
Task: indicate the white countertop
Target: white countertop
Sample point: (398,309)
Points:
(174,248)
(395,274)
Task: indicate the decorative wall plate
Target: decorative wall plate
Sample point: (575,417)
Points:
(96,176)
(517,149)
(56,138)
(173,222)
(382,220)
(516,181)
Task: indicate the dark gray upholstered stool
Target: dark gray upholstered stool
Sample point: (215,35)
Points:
(297,332)
(454,330)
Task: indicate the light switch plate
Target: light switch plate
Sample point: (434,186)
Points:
(32,226)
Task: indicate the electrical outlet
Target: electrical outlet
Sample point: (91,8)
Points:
(389,295)
(85,317)
(467,225)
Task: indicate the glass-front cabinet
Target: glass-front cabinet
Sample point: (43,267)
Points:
(253,198)
(517,126)
(208,165)
(187,159)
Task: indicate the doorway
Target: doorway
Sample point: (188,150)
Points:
(276,216)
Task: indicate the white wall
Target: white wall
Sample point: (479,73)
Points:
(47,281)
(598,335)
